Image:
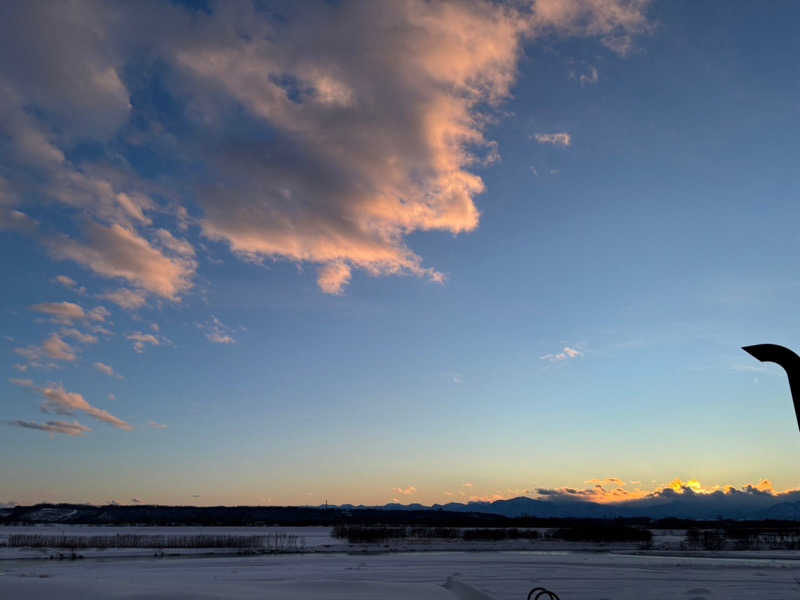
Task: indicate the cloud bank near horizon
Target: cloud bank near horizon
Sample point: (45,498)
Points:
(678,498)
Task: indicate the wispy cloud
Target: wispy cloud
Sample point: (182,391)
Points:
(566,353)
(57,349)
(70,284)
(59,401)
(556,139)
(117,252)
(156,425)
(126,298)
(409,491)
(590,76)
(72,429)
(99,314)
(64,312)
(139,340)
(216,331)
(176,245)
(107,370)
(78,336)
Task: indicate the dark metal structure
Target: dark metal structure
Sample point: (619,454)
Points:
(540,593)
(786,359)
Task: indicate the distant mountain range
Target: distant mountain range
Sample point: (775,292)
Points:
(730,505)
(740,505)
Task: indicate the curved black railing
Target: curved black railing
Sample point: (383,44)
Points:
(542,594)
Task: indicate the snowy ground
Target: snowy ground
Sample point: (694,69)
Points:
(411,575)
(433,569)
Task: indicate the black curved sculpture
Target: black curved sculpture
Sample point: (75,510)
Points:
(542,593)
(790,363)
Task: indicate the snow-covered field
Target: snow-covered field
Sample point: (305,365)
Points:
(499,575)
(411,575)
(329,569)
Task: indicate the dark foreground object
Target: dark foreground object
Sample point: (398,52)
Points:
(540,593)
(786,359)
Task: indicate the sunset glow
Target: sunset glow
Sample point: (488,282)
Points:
(397,252)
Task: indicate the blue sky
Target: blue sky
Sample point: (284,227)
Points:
(367,255)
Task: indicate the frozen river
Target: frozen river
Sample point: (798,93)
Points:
(409,575)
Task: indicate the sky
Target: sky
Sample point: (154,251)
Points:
(281,253)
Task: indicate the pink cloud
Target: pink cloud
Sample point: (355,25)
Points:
(61,311)
(127,299)
(118,252)
(57,349)
(383,140)
(59,401)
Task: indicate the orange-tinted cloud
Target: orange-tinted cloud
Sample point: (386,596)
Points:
(139,339)
(58,349)
(127,299)
(612,490)
(377,116)
(374,117)
(59,401)
(118,252)
(63,311)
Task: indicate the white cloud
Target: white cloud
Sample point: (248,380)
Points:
(566,353)
(556,139)
(409,491)
(216,331)
(589,78)
(156,425)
